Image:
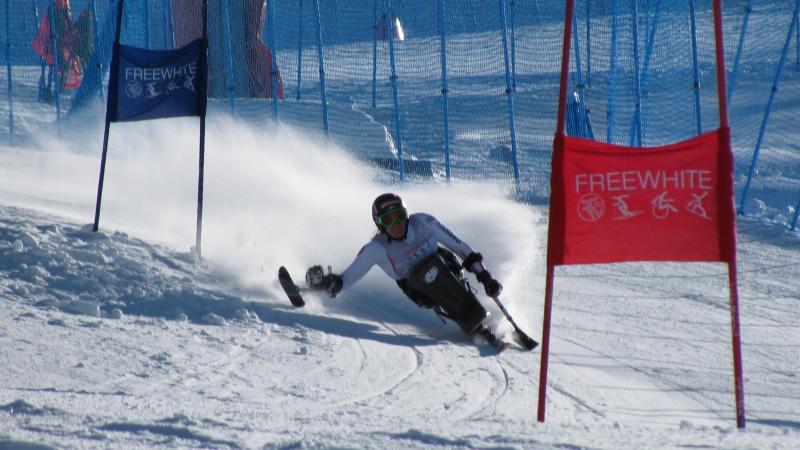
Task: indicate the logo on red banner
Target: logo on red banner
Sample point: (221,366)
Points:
(640,204)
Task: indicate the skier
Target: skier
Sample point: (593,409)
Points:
(419,253)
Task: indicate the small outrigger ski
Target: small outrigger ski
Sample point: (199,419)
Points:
(291,289)
(499,344)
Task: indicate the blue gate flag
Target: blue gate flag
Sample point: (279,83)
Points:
(155,84)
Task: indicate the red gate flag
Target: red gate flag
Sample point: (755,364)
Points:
(641,204)
(672,203)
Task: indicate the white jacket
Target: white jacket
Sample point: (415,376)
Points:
(398,258)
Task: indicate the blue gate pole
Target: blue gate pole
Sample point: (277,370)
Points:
(445,91)
(120,11)
(231,81)
(10,77)
(739,47)
(636,135)
(202,145)
(695,70)
(395,99)
(323,92)
(763,128)
(274,66)
(299,47)
(509,91)
(374,52)
(612,86)
(56,73)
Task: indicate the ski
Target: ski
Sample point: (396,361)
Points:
(523,338)
(499,345)
(291,289)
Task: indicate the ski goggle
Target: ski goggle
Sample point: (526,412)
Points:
(392,217)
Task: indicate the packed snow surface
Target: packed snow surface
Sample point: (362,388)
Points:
(124,339)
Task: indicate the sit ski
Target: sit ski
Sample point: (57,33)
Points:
(316,274)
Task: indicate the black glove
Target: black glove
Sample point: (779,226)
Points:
(493,287)
(332,284)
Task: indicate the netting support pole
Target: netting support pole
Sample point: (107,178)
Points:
(146,14)
(651,37)
(793,226)
(169,26)
(636,134)
(474,15)
(514,48)
(395,96)
(231,81)
(10,77)
(323,93)
(509,92)
(93,6)
(445,91)
(299,46)
(576,43)
(739,47)
(751,172)
(612,82)
(589,42)
(42,63)
(274,66)
(57,55)
(695,68)
(375,52)
(579,76)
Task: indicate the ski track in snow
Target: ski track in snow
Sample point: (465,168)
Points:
(289,376)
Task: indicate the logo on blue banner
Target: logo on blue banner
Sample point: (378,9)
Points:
(155,84)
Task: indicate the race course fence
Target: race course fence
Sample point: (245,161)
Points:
(437,88)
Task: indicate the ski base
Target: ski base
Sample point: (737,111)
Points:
(291,289)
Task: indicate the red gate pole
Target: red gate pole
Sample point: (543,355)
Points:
(555,228)
(728,215)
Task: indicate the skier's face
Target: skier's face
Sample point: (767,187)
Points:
(397,231)
(394,222)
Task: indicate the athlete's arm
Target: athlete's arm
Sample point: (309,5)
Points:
(369,255)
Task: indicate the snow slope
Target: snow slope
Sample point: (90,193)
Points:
(123,339)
